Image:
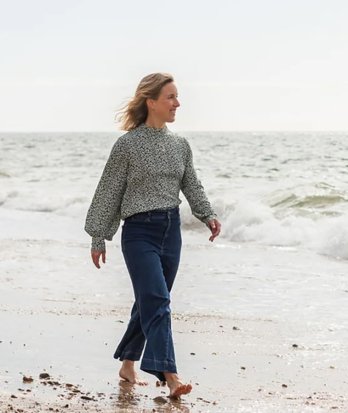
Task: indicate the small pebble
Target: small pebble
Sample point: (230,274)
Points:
(27,379)
(87,398)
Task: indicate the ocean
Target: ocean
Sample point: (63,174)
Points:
(281,189)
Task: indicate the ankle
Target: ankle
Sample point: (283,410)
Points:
(171,377)
(128,363)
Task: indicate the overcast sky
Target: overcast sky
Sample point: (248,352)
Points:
(68,65)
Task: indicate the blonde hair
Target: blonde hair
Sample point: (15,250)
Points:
(135,112)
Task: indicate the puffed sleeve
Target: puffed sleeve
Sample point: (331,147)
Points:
(103,216)
(193,190)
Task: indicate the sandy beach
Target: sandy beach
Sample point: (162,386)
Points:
(233,364)
(62,317)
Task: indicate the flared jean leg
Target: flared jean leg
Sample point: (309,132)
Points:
(152,252)
(153,303)
(132,343)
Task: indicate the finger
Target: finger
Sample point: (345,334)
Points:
(214,226)
(96,262)
(216,232)
(217,229)
(95,257)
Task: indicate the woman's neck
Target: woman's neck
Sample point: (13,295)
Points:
(154,123)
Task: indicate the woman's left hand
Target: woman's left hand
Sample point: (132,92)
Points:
(215,227)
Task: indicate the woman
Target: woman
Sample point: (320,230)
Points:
(141,181)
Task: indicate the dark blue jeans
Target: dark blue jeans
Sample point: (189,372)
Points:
(151,246)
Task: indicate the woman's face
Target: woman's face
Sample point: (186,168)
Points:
(164,107)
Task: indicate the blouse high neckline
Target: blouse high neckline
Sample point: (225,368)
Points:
(152,129)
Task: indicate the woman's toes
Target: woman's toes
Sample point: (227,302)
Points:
(180,390)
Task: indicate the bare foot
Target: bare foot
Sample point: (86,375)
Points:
(176,387)
(128,373)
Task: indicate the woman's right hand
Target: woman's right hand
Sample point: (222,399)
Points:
(96,255)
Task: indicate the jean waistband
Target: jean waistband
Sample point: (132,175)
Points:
(164,212)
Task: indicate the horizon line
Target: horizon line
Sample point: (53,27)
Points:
(183,130)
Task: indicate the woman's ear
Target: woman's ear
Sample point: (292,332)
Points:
(150,103)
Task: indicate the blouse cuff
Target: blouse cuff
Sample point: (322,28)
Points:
(209,218)
(98,243)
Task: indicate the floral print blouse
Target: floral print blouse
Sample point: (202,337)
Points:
(146,170)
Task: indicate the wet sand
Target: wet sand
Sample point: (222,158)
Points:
(244,365)
(62,317)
